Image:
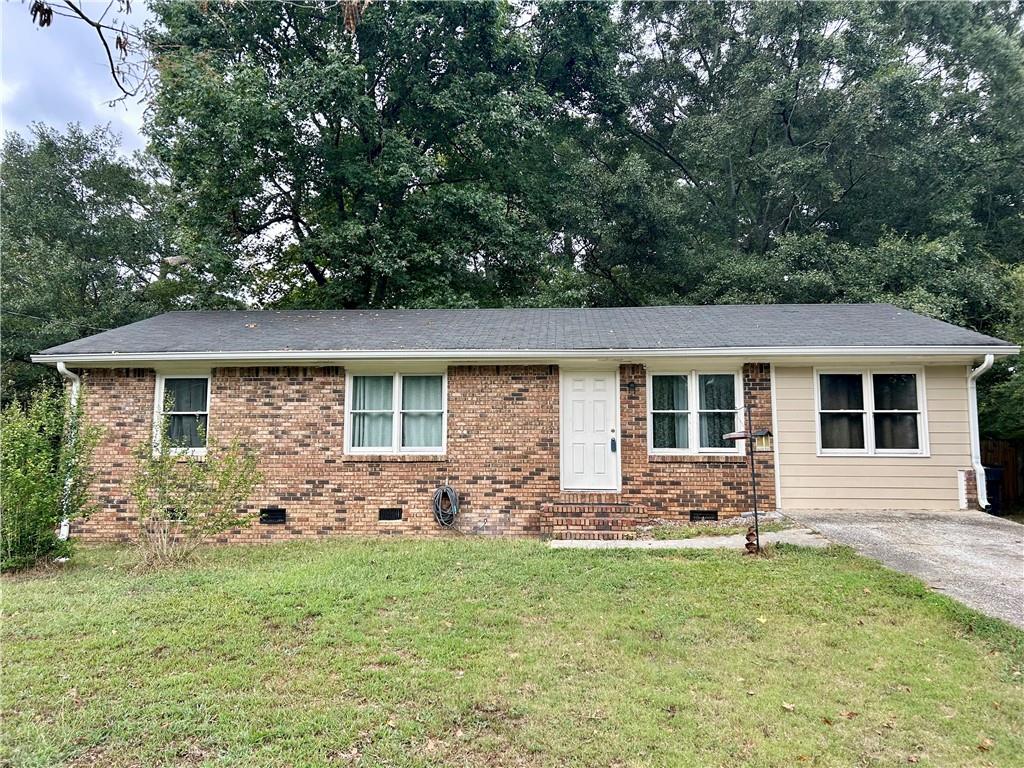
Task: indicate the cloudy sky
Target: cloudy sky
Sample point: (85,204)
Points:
(60,75)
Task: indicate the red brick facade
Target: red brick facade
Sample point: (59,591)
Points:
(502,453)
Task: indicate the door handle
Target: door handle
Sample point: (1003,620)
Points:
(614,445)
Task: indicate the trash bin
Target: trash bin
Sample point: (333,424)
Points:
(994,488)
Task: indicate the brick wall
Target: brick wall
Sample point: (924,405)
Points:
(502,457)
(670,486)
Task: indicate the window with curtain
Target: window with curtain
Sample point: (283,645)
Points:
(185,412)
(690,412)
(670,415)
(717,409)
(869,412)
(373,411)
(397,413)
(422,412)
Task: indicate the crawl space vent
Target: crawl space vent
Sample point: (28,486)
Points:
(703,515)
(273,516)
(389,513)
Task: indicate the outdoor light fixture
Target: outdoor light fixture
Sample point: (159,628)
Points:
(763,440)
(761,437)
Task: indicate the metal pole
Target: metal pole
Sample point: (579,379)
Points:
(753,477)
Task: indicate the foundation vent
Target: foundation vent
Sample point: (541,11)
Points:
(273,516)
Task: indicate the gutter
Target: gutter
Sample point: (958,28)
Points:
(76,387)
(322,356)
(972,400)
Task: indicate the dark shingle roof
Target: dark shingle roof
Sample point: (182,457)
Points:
(625,328)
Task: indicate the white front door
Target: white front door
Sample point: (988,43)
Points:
(590,430)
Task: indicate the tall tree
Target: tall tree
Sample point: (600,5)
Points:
(749,126)
(399,164)
(83,244)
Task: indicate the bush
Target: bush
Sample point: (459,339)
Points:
(45,453)
(183,499)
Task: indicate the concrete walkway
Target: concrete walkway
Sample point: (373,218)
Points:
(799,536)
(973,557)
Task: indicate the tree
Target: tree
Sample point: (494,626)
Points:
(449,154)
(747,124)
(399,165)
(85,246)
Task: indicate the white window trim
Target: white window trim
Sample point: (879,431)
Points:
(396,448)
(867,385)
(694,411)
(158,412)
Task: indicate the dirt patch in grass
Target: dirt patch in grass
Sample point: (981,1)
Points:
(670,530)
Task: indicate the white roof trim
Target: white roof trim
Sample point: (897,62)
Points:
(517,354)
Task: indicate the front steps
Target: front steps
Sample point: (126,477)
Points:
(584,518)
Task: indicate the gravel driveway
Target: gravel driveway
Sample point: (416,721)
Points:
(973,557)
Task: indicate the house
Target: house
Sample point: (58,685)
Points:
(566,422)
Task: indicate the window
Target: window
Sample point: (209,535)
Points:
(396,413)
(895,412)
(670,414)
(842,411)
(689,412)
(717,409)
(872,412)
(183,410)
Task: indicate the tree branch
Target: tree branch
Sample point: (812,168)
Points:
(106,47)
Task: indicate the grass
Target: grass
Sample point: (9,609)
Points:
(496,653)
(677,531)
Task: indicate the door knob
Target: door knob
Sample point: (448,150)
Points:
(614,445)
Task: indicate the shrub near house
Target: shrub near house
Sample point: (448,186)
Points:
(45,454)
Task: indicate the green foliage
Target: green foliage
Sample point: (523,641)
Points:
(82,247)
(1001,392)
(184,499)
(45,451)
(464,154)
(568,154)
(398,165)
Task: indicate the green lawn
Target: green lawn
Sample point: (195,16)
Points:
(496,653)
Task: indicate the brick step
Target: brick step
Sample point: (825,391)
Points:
(590,520)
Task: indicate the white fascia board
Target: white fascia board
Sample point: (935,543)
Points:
(328,357)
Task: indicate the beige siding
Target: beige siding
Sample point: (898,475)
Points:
(872,482)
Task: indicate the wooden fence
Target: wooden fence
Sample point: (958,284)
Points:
(1009,456)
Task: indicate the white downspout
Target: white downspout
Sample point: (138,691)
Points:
(76,384)
(972,397)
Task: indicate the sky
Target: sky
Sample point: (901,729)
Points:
(59,75)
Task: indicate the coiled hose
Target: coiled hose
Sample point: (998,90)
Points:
(446,506)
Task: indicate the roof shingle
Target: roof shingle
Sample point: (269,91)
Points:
(624,328)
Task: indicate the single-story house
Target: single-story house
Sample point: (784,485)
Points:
(544,421)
